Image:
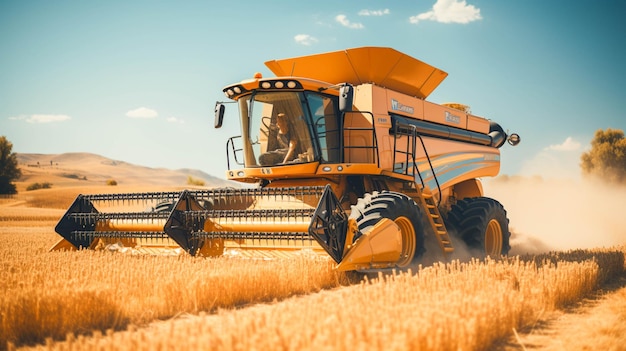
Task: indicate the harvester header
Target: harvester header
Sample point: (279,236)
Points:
(345,157)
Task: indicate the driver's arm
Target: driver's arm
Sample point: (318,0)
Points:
(293,143)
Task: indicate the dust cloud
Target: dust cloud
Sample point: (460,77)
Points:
(560,214)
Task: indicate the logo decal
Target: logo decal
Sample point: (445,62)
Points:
(397,106)
(452,118)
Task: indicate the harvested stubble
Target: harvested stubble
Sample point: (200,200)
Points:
(456,306)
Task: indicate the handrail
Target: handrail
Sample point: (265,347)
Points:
(432,169)
(412,134)
(231,142)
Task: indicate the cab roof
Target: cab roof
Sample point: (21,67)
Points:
(382,66)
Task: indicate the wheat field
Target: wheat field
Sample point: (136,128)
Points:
(49,294)
(95,300)
(454,306)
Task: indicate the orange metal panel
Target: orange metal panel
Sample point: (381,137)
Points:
(444,115)
(379,65)
(477,124)
(255,225)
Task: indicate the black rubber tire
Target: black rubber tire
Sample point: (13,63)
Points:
(481,223)
(401,209)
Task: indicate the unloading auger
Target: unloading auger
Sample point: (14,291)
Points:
(347,158)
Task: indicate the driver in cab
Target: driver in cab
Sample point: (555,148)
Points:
(287,142)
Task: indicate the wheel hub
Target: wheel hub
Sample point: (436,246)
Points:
(408,240)
(493,238)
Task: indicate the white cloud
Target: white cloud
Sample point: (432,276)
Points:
(555,161)
(568,145)
(41,118)
(550,164)
(305,39)
(449,11)
(175,120)
(374,12)
(142,112)
(343,20)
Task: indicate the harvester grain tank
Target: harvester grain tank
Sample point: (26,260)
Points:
(345,156)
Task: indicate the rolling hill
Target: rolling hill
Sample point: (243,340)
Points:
(86,169)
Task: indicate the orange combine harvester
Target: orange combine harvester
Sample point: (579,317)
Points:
(349,159)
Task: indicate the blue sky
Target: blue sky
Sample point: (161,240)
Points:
(137,80)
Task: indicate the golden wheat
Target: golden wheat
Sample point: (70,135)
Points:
(456,306)
(48,294)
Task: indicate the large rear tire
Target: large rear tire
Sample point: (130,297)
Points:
(482,224)
(399,208)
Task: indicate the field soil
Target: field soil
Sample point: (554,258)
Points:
(597,322)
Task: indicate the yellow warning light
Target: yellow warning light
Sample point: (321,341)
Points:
(258,75)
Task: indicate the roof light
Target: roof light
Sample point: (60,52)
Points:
(291,84)
(279,84)
(237,90)
(265,85)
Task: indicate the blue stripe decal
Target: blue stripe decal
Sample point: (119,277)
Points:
(448,171)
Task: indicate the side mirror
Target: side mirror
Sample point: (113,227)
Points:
(219,114)
(346,95)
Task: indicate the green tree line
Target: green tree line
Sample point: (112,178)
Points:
(9,171)
(607,157)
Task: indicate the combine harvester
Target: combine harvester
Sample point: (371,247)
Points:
(348,158)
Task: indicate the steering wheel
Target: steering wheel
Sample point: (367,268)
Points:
(265,123)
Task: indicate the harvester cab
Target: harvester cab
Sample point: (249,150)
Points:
(347,158)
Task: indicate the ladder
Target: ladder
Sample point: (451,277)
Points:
(436,221)
(422,193)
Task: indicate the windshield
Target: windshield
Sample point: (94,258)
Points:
(279,129)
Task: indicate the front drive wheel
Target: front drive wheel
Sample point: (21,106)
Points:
(399,208)
(482,224)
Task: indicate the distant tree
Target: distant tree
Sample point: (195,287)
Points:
(192,181)
(9,170)
(37,186)
(607,157)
